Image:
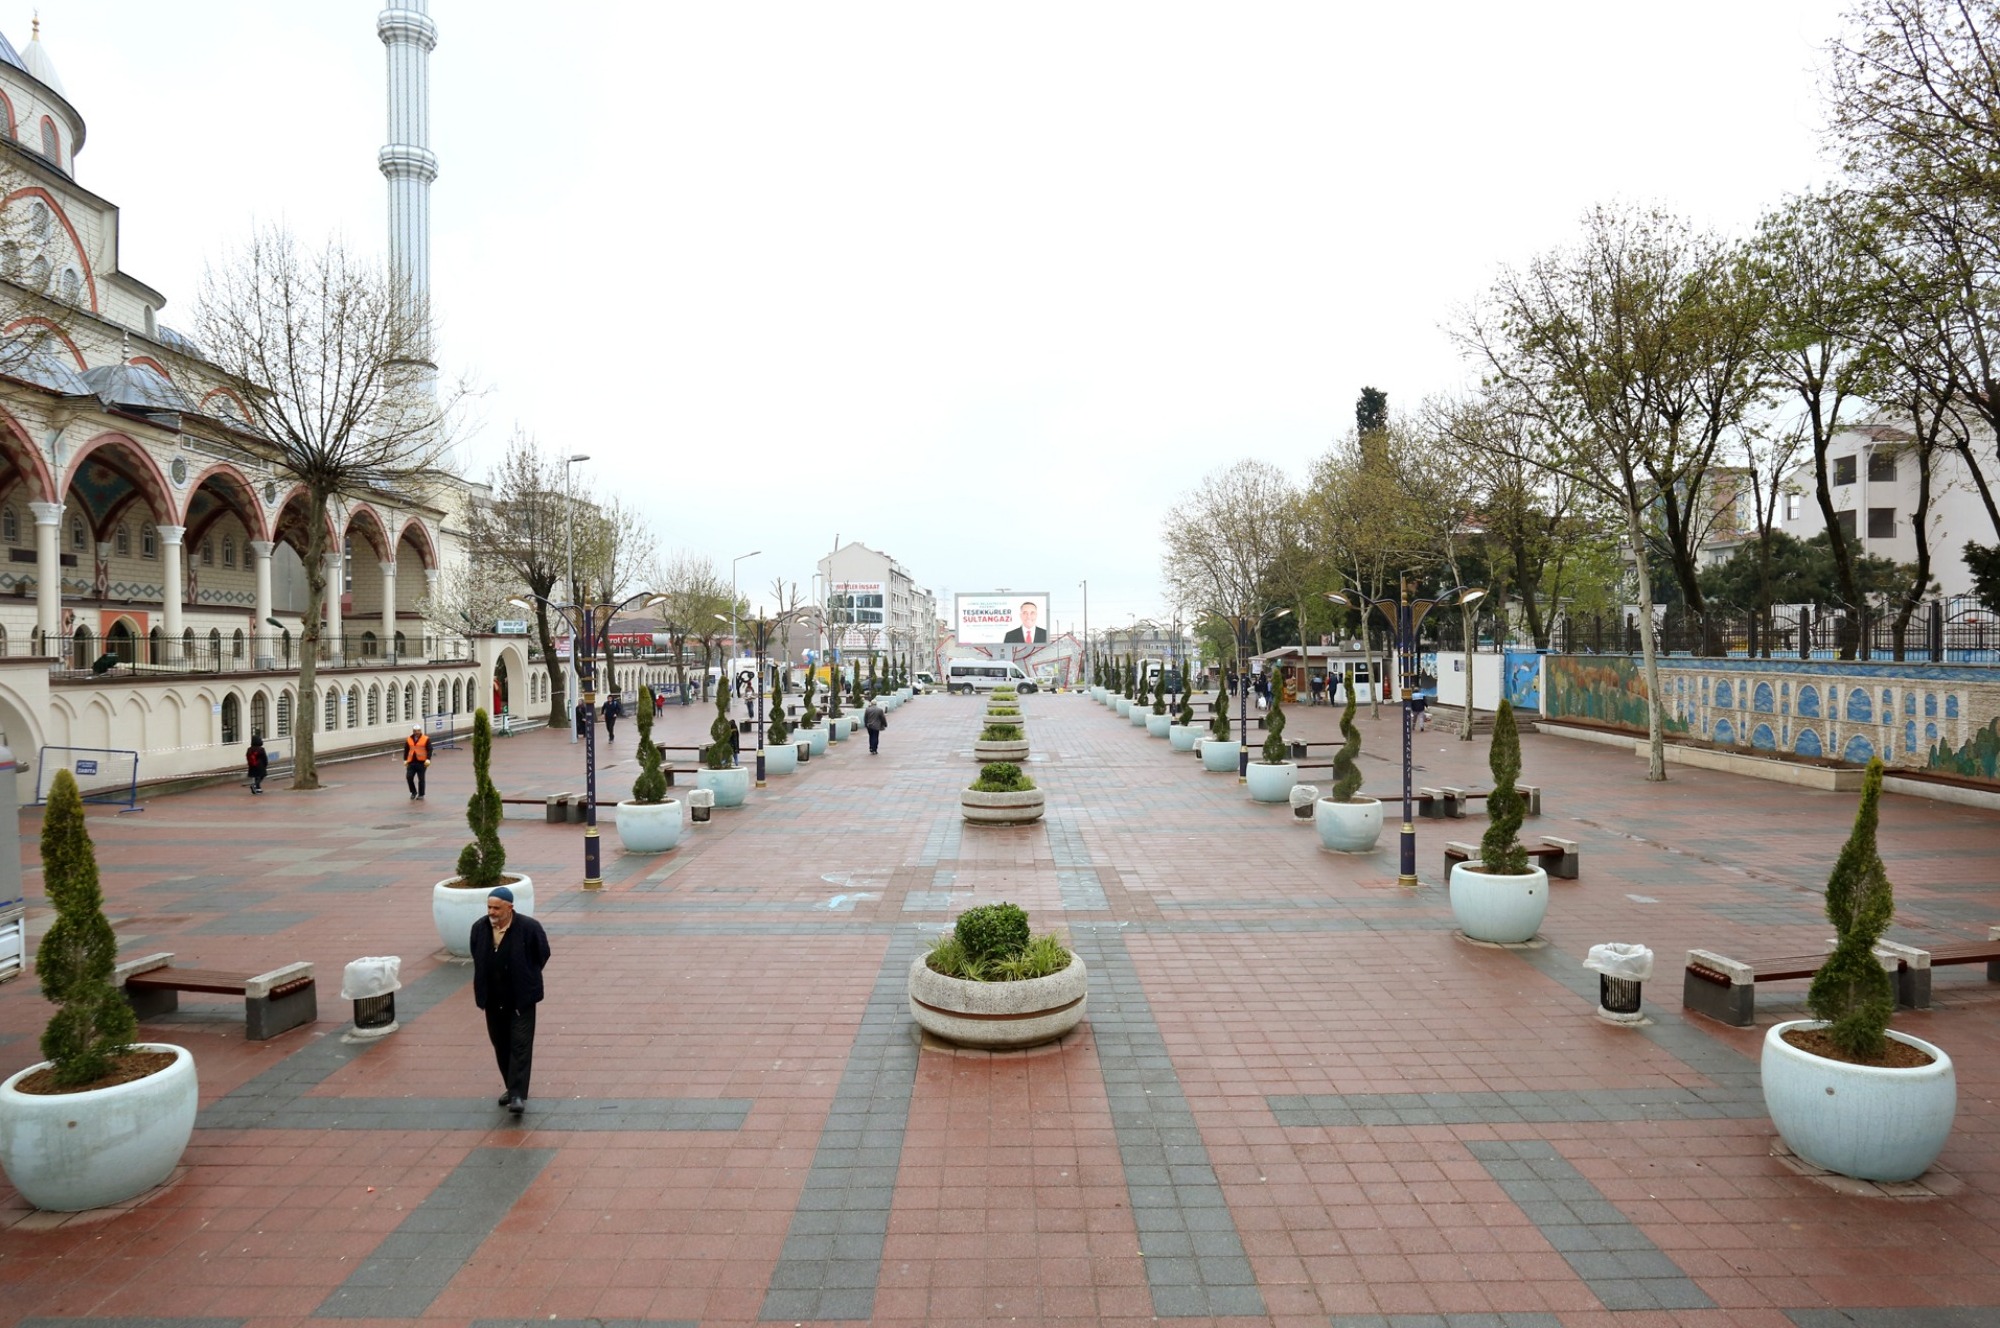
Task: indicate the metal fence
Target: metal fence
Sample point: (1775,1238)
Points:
(1936,631)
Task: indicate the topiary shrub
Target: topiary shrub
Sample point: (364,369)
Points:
(809,715)
(874,687)
(1001,777)
(1001,733)
(1274,723)
(777,732)
(92,1024)
(1185,715)
(720,754)
(481,862)
(1500,850)
(1346,774)
(1159,691)
(992,931)
(1218,722)
(854,693)
(650,788)
(1852,992)
(832,694)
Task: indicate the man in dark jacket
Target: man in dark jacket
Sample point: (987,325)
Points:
(509,951)
(874,719)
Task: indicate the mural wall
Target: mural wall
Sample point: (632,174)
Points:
(1938,717)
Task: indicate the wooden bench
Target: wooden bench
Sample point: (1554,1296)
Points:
(273,1002)
(1913,966)
(1451,803)
(1725,989)
(1558,857)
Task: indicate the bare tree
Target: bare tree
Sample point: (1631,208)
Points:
(615,558)
(331,362)
(525,528)
(1223,538)
(695,592)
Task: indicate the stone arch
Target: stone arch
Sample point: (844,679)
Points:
(19,453)
(289,516)
(369,521)
(240,498)
(418,535)
(114,454)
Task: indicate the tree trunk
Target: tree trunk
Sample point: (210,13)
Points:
(1656,756)
(306,719)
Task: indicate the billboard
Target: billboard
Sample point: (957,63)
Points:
(1002,618)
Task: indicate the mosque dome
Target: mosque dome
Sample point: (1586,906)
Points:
(38,359)
(134,387)
(36,61)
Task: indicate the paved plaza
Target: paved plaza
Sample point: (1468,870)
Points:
(1298,1098)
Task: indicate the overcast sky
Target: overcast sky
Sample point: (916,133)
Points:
(983,286)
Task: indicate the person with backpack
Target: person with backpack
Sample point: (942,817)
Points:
(259,762)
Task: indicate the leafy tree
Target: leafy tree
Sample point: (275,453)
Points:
(1500,850)
(481,862)
(92,1023)
(1794,571)
(1852,991)
(650,787)
(1984,563)
(1346,774)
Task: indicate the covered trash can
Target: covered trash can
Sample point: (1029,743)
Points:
(1621,971)
(372,984)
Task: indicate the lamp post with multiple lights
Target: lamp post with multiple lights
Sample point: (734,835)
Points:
(1405,615)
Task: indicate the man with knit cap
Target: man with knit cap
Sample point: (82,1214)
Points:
(509,951)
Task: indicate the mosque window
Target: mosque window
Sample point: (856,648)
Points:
(148,542)
(10,525)
(208,552)
(76,534)
(229,551)
(51,141)
(41,221)
(70,286)
(123,539)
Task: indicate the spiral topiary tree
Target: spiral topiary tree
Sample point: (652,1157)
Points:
(832,692)
(1852,991)
(1185,714)
(1346,774)
(809,714)
(1500,851)
(777,731)
(650,788)
(1218,723)
(1159,691)
(854,692)
(481,862)
(92,1024)
(1274,723)
(720,754)
(874,688)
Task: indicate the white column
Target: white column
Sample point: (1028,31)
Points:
(266,654)
(430,594)
(170,598)
(388,610)
(336,581)
(48,573)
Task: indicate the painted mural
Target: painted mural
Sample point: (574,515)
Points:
(1941,717)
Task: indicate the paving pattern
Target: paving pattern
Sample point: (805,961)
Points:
(1298,1098)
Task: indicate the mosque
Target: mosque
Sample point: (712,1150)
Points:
(152,584)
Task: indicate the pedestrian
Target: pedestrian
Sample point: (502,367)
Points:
(509,952)
(874,719)
(1333,687)
(1318,683)
(259,762)
(416,761)
(613,710)
(1420,710)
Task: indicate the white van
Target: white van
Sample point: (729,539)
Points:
(983,675)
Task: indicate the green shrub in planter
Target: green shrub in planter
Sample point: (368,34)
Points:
(1218,724)
(777,732)
(854,692)
(1185,715)
(1275,751)
(1003,711)
(720,754)
(92,1024)
(1160,692)
(809,714)
(650,788)
(1347,775)
(1500,848)
(1852,992)
(1001,733)
(991,944)
(1001,777)
(992,931)
(481,862)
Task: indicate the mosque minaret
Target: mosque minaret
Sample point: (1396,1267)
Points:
(406,159)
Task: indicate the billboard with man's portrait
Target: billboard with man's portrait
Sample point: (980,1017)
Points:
(1003,618)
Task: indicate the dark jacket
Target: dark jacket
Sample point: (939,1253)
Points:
(257,758)
(527,949)
(875,717)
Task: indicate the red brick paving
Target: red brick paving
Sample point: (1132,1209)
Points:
(1271,969)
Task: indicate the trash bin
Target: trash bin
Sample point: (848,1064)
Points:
(1621,972)
(372,983)
(1303,798)
(701,802)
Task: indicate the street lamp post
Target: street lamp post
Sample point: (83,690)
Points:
(735,644)
(582,624)
(1405,615)
(569,541)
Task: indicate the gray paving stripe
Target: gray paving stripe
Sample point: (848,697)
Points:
(1195,1265)
(832,1256)
(567,1115)
(585,1323)
(1463,1319)
(1080,891)
(416,1262)
(1605,1249)
(146,1321)
(1675,1103)
(1917,1316)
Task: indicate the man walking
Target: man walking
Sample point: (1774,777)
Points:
(614,710)
(416,761)
(874,719)
(509,951)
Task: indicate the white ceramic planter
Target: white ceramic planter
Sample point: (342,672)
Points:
(984,751)
(645,827)
(1858,1120)
(1097,695)
(730,786)
(1271,781)
(1123,705)
(1503,910)
(1182,737)
(1140,712)
(999,1015)
(1348,827)
(1158,725)
(454,910)
(1221,757)
(1001,808)
(76,1151)
(781,760)
(816,738)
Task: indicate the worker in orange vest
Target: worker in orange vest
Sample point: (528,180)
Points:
(416,761)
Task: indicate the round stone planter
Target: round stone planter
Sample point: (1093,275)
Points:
(991,717)
(1271,781)
(1001,808)
(781,760)
(1123,705)
(1503,910)
(1157,726)
(1182,737)
(454,909)
(983,751)
(1140,712)
(998,1015)
(1868,1122)
(1097,695)
(816,737)
(1219,757)
(644,827)
(75,1151)
(1348,827)
(730,786)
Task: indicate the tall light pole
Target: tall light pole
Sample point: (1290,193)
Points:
(734,644)
(569,536)
(1405,615)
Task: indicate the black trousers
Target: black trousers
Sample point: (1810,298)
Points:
(413,775)
(512,1033)
(874,738)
